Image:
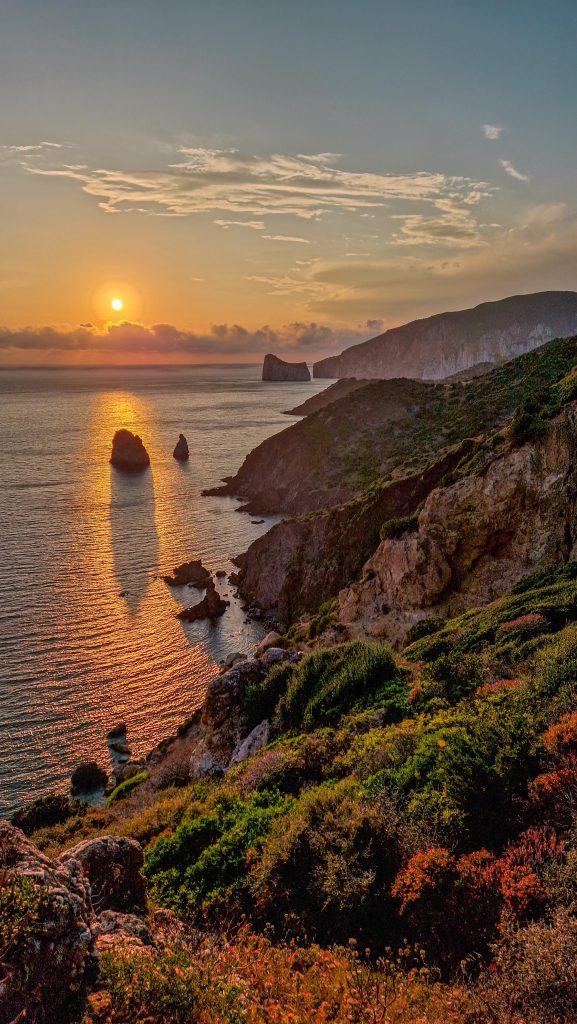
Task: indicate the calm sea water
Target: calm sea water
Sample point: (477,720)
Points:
(76,656)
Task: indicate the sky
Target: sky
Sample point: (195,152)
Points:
(276,175)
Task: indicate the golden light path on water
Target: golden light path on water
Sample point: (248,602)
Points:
(88,633)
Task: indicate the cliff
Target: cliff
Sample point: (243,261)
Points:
(447,343)
(274,368)
(474,540)
(384,430)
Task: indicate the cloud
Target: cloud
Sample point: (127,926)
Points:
(231,183)
(512,171)
(492,131)
(286,238)
(135,339)
(256,225)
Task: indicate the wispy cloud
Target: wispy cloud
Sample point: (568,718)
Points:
(492,131)
(512,171)
(256,225)
(232,183)
(287,238)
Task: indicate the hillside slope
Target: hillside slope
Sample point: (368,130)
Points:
(385,430)
(447,343)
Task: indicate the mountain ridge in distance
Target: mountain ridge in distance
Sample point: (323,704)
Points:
(447,343)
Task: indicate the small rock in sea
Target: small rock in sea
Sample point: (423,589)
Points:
(211,607)
(257,522)
(120,746)
(220,573)
(233,659)
(193,573)
(89,776)
(181,451)
(123,593)
(128,452)
(118,730)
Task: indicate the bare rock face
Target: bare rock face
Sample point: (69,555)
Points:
(212,606)
(127,932)
(128,452)
(193,572)
(181,452)
(111,867)
(47,966)
(474,539)
(274,368)
(255,741)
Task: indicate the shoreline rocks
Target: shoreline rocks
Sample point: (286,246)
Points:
(193,573)
(181,452)
(128,452)
(212,606)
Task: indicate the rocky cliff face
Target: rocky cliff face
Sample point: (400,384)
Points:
(274,368)
(301,562)
(448,343)
(474,539)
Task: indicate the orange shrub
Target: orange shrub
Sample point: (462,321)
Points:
(560,741)
(499,686)
(553,797)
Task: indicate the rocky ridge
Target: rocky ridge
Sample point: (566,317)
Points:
(447,343)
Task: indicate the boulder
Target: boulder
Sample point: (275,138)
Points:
(274,655)
(212,606)
(128,452)
(256,740)
(126,932)
(111,866)
(193,572)
(87,778)
(274,368)
(52,957)
(117,731)
(181,452)
(270,640)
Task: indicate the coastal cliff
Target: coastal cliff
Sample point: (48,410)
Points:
(474,540)
(447,343)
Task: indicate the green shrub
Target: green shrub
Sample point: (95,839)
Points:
(126,788)
(205,861)
(46,811)
(327,868)
(327,684)
(398,526)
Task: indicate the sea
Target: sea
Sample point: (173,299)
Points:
(88,629)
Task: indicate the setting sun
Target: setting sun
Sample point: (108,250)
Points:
(117,305)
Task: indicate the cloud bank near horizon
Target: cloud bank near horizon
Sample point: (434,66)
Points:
(229,340)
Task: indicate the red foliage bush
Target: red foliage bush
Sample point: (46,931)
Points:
(524,625)
(560,741)
(553,797)
(522,868)
(449,902)
(499,686)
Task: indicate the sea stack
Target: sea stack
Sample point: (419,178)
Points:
(211,607)
(274,368)
(181,451)
(128,452)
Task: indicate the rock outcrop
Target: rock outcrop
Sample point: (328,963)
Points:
(447,343)
(181,452)
(274,368)
(474,539)
(302,562)
(65,913)
(51,957)
(193,572)
(112,867)
(128,452)
(212,606)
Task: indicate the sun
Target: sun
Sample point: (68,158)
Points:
(117,305)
